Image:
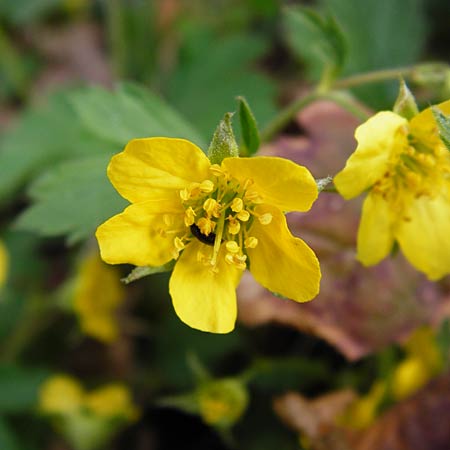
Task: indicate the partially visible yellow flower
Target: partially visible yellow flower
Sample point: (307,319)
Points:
(423,362)
(3,263)
(61,394)
(406,168)
(216,220)
(112,401)
(363,411)
(98,293)
(88,420)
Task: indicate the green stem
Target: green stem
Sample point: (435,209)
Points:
(373,77)
(333,94)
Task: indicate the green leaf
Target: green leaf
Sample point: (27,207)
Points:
(213,71)
(129,112)
(143,271)
(223,144)
(8,440)
(317,39)
(72,198)
(44,136)
(443,123)
(19,388)
(249,128)
(378,33)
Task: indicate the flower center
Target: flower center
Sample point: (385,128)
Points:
(417,169)
(221,210)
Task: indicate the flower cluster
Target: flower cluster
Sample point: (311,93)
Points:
(215,220)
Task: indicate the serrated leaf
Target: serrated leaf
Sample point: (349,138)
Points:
(130,112)
(143,271)
(72,199)
(249,127)
(317,39)
(443,123)
(213,72)
(19,387)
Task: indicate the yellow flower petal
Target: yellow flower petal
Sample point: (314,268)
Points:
(377,139)
(136,236)
(278,181)
(157,168)
(281,262)
(424,127)
(375,233)
(61,394)
(204,299)
(3,263)
(424,237)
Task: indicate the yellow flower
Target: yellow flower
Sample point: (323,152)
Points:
(61,394)
(113,400)
(406,168)
(169,183)
(98,293)
(3,263)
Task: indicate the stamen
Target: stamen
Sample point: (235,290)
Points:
(251,242)
(237,204)
(243,215)
(189,217)
(206,225)
(232,246)
(233,225)
(168,220)
(265,219)
(178,244)
(236,260)
(212,207)
(207,186)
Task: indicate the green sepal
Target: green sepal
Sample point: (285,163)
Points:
(223,144)
(143,271)
(249,128)
(405,105)
(443,123)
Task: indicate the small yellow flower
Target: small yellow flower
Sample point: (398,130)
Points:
(406,168)
(61,394)
(113,400)
(98,293)
(3,264)
(172,177)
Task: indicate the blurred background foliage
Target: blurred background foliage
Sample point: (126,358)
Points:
(80,78)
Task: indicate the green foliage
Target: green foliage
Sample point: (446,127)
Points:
(129,112)
(22,12)
(317,39)
(249,127)
(443,122)
(72,199)
(143,271)
(212,72)
(19,388)
(379,35)
(8,440)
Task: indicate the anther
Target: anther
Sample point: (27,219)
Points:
(189,216)
(232,246)
(207,186)
(265,219)
(237,204)
(243,215)
(251,242)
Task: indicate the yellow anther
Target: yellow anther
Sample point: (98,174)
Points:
(185,194)
(168,220)
(236,260)
(253,196)
(243,215)
(212,207)
(251,242)
(237,205)
(247,183)
(232,246)
(233,225)
(206,225)
(207,186)
(265,219)
(413,179)
(178,244)
(216,170)
(189,217)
